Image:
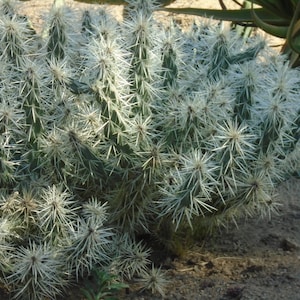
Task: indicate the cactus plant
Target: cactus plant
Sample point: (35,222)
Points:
(275,17)
(109,129)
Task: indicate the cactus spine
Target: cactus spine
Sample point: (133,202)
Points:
(110,129)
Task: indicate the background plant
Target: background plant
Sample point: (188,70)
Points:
(276,17)
(103,286)
(111,131)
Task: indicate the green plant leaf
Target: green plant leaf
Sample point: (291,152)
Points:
(295,2)
(281,8)
(293,35)
(234,15)
(88,294)
(275,6)
(279,31)
(294,59)
(295,31)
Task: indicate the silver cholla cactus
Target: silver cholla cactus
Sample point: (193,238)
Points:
(108,128)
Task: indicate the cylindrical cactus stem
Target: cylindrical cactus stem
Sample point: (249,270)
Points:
(11,135)
(8,8)
(271,130)
(106,27)
(219,60)
(109,85)
(57,39)
(244,83)
(60,78)
(102,25)
(15,40)
(37,271)
(87,27)
(296,131)
(137,6)
(31,91)
(131,202)
(105,67)
(170,58)
(85,160)
(7,163)
(89,246)
(141,43)
(234,147)
(243,104)
(56,214)
(248,54)
(190,188)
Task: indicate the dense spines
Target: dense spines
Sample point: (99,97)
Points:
(57,32)
(37,272)
(144,67)
(16,40)
(89,246)
(110,128)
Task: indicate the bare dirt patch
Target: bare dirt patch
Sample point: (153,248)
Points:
(259,259)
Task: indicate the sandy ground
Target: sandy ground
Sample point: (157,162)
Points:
(259,259)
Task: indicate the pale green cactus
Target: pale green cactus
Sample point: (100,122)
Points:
(111,130)
(37,272)
(57,33)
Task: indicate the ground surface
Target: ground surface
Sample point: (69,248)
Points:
(258,260)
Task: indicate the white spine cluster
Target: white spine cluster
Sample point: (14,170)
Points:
(108,128)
